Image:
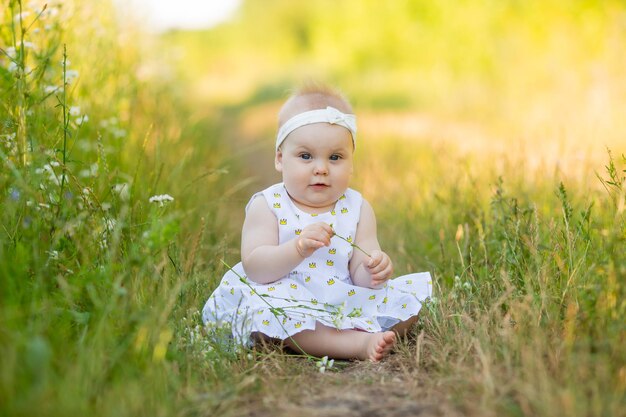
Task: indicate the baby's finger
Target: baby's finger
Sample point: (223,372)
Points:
(378,281)
(375,258)
(329,232)
(321,226)
(378,267)
(323,237)
(383,275)
(379,264)
(312,243)
(320,243)
(322,232)
(316,234)
(380,278)
(327,228)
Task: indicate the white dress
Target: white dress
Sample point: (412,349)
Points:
(319,289)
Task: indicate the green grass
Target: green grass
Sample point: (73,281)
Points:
(95,278)
(100,289)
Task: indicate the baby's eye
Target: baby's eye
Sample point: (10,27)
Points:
(305,156)
(335,157)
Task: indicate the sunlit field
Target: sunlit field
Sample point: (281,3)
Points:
(491,146)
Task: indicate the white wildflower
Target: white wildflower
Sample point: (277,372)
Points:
(71,75)
(123,190)
(21,16)
(50,12)
(29,45)
(57,179)
(52,176)
(86,145)
(54,255)
(82,119)
(118,133)
(75,111)
(110,122)
(161,199)
(91,172)
(109,224)
(192,336)
(9,138)
(12,67)
(11,52)
(338,316)
(324,364)
(49,89)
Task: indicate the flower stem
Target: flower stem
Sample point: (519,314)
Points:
(352,244)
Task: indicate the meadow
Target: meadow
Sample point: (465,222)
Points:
(490,145)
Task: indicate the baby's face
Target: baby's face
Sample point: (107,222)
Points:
(316,163)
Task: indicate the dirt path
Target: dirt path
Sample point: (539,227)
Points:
(394,388)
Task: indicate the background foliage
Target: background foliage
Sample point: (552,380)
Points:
(484,129)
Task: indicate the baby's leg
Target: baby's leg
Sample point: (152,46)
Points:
(402,328)
(343,344)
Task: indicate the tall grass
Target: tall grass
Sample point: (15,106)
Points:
(528,318)
(95,279)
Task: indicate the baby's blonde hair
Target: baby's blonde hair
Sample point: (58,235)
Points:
(312,95)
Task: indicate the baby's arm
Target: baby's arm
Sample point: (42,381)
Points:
(369,271)
(264,260)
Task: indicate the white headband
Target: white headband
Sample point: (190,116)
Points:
(328,115)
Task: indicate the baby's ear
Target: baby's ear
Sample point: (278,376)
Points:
(278,160)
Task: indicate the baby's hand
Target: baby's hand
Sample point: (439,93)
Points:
(313,237)
(380,267)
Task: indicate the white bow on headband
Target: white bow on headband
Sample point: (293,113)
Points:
(328,115)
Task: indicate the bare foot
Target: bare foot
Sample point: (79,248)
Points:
(380,345)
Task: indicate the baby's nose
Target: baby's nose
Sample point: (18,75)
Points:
(321,168)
